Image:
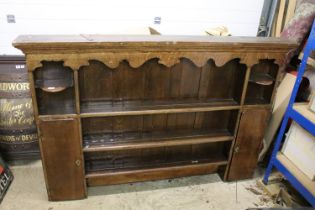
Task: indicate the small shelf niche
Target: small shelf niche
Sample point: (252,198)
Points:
(261,82)
(54,88)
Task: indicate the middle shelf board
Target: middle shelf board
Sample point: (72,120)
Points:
(116,108)
(119,177)
(140,140)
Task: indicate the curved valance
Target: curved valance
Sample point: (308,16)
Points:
(136,59)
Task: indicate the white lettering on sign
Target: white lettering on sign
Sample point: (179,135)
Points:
(14,86)
(22,66)
(4,183)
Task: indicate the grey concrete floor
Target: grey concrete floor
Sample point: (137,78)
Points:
(198,192)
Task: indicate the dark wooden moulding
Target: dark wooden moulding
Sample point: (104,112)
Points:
(119,109)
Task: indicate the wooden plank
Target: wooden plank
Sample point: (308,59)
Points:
(279,22)
(265,106)
(171,121)
(216,120)
(290,11)
(57,116)
(185,120)
(119,89)
(96,179)
(221,80)
(245,85)
(98,40)
(160,111)
(299,175)
(240,70)
(76,90)
(206,72)
(100,90)
(157,143)
(190,78)
(92,106)
(303,109)
(310,60)
(159,122)
(33,94)
(176,79)
(97,132)
(157,81)
(133,82)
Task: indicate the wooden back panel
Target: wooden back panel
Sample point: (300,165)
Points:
(154,82)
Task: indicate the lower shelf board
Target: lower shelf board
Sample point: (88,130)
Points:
(120,177)
(108,142)
(298,174)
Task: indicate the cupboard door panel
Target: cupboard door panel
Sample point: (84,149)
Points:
(62,158)
(248,143)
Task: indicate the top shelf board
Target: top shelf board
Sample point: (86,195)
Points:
(310,60)
(304,110)
(151,41)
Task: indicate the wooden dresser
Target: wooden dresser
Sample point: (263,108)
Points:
(119,109)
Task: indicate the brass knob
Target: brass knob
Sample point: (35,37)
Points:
(78,162)
(236,149)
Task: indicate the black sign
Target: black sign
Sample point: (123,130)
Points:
(6,178)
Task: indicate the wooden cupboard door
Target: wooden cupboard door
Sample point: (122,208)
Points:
(248,143)
(62,159)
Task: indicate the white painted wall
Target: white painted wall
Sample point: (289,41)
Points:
(179,17)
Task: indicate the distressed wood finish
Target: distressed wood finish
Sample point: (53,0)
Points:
(150,107)
(248,143)
(62,158)
(76,51)
(152,174)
